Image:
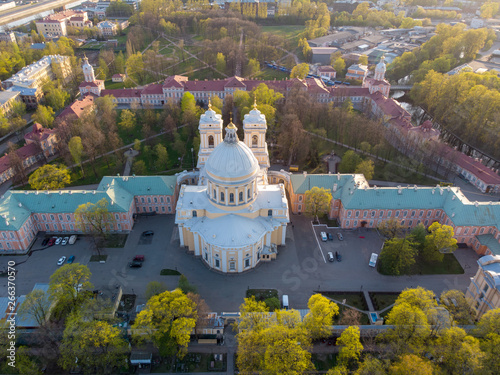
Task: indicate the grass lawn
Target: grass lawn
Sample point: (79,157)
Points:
(90,178)
(354,299)
(262,294)
(98,258)
(323,361)
(286,31)
(330,222)
(115,240)
(202,74)
(270,74)
(169,272)
(382,300)
(167,51)
(109,84)
(449,266)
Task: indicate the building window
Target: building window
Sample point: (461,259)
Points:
(349,213)
(405,213)
(60,217)
(413,214)
(365,214)
(232,266)
(206,257)
(47,227)
(222,196)
(142,200)
(474,231)
(155,200)
(149,199)
(255,141)
(231,197)
(300,198)
(150,209)
(52,217)
(248,193)
(195,213)
(210,141)
(162,208)
(486,287)
(161,199)
(397,214)
(421,214)
(241,196)
(68,218)
(372,214)
(381,214)
(217,263)
(429,213)
(466,231)
(481,231)
(356,214)
(168,199)
(215,194)
(247,262)
(270,213)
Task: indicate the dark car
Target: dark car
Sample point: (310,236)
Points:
(338,256)
(45,241)
(52,241)
(148,233)
(330,236)
(135,264)
(340,237)
(71,259)
(138,258)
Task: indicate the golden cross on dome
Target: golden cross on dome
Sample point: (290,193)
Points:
(254,101)
(209,103)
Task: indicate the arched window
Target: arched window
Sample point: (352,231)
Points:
(195,213)
(255,141)
(231,198)
(215,194)
(241,196)
(248,193)
(222,196)
(270,213)
(211,142)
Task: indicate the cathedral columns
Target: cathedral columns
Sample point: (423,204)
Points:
(181,235)
(283,233)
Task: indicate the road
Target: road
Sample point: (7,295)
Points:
(17,14)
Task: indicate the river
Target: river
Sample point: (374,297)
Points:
(27,20)
(418,115)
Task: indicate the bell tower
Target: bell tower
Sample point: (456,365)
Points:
(88,70)
(255,127)
(210,128)
(380,69)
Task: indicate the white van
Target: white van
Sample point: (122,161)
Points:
(373,260)
(285,302)
(324,238)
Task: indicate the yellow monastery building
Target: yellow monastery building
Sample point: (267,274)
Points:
(233,218)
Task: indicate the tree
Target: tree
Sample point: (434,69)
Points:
(154,288)
(96,220)
(439,240)
(367,168)
(56,99)
(44,116)
(350,161)
(339,66)
(391,228)
(459,352)
(350,317)
(371,366)
(272,303)
(320,317)
(253,68)
(459,308)
(411,364)
(363,60)
(135,67)
(489,323)
(76,150)
(300,71)
(50,177)
(186,286)
(350,347)
(68,284)
(318,201)
(94,346)
(490,346)
(410,331)
(137,145)
(220,63)
(16,163)
(127,120)
(397,256)
(161,157)
(419,297)
(36,305)
(167,320)
(139,167)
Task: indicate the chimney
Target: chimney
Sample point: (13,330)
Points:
(441,191)
(335,187)
(400,191)
(304,173)
(476,203)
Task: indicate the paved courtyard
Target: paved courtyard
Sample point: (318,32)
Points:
(300,269)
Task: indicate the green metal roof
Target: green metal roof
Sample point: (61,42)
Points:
(490,241)
(13,214)
(303,182)
(142,185)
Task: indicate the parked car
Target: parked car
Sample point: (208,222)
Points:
(323,236)
(330,236)
(138,258)
(338,256)
(59,240)
(135,264)
(148,233)
(65,241)
(71,259)
(45,241)
(72,239)
(340,237)
(330,257)
(52,241)
(61,260)
(373,260)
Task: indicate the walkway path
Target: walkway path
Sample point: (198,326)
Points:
(130,155)
(368,301)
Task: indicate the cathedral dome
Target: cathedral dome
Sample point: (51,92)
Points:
(231,161)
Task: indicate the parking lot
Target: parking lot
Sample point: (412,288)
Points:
(300,269)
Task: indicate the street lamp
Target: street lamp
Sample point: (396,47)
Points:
(192,156)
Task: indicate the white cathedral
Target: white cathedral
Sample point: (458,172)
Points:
(233,219)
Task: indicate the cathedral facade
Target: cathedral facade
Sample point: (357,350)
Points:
(233,218)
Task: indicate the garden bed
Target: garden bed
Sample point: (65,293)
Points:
(324,362)
(169,272)
(115,240)
(382,300)
(262,294)
(193,362)
(354,299)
